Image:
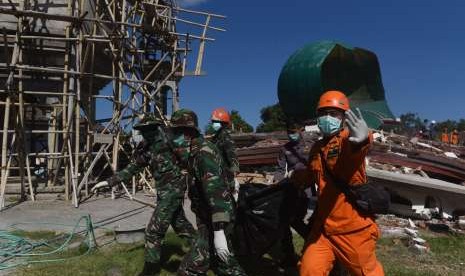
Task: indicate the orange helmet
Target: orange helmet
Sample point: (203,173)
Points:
(221,115)
(334,99)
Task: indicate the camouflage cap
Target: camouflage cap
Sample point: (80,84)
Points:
(148,122)
(185,118)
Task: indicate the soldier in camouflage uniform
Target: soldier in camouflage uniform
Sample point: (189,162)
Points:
(155,151)
(220,120)
(211,201)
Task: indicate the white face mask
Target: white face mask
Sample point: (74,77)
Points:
(216,126)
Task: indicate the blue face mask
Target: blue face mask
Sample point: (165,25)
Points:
(180,140)
(329,125)
(294,137)
(216,126)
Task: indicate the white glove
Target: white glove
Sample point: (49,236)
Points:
(289,174)
(221,245)
(236,189)
(357,126)
(99,185)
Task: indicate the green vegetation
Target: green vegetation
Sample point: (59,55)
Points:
(35,235)
(447,257)
(273,119)
(239,124)
(119,259)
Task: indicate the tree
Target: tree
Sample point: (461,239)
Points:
(461,125)
(450,125)
(273,119)
(208,130)
(239,124)
(411,121)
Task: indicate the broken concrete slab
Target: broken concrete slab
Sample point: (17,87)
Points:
(419,249)
(461,222)
(448,196)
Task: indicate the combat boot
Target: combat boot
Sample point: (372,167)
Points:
(150,269)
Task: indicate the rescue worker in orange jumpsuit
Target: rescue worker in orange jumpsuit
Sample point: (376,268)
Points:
(454,137)
(445,136)
(339,231)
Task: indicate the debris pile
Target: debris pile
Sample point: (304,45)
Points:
(425,178)
(415,243)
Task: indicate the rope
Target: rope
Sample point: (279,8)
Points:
(16,250)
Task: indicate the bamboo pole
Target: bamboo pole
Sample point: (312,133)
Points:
(142,175)
(92,107)
(64,112)
(189,11)
(73,176)
(4,170)
(52,144)
(126,189)
(4,173)
(3,180)
(70,72)
(198,66)
(21,145)
(77,110)
(92,165)
(9,88)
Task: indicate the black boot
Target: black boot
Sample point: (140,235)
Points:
(150,269)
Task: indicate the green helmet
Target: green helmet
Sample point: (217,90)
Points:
(185,118)
(148,122)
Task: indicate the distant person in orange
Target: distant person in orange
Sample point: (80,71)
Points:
(445,136)
(339,232)
(454,137)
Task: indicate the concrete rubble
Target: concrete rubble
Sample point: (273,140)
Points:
(461,222)
(425,178)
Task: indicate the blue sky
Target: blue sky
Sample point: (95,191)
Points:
(420,45)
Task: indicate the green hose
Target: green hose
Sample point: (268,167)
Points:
(14,247)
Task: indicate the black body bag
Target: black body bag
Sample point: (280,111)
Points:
(259,221)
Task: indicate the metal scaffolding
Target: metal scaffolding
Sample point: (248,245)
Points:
(62,60)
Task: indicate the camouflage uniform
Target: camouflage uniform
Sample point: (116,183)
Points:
(154,151)
(225,144)
(211,201)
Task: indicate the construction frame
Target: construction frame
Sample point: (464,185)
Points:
(63,62)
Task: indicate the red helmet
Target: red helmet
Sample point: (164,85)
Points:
(221,115)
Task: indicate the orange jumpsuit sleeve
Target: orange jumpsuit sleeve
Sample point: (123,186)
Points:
(350,166)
